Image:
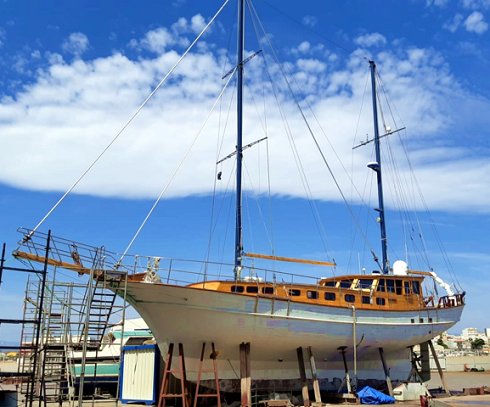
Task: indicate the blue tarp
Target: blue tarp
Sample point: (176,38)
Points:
(368,395)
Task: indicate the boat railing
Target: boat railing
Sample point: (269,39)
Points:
(178,271)
(80,257)
(449,301)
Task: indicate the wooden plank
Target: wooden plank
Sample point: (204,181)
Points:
(69,266)
(245,379)
(289,259)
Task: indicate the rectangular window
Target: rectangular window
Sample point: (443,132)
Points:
(330,283)
(350,298)
(366,299)
(237,289)
(293,292)
(330,296)
(345,283)
(412,321)
(312,295)
(380,301)
(398,287)
(365,283)
(252,289)
(416,287)
(390,286)
(430,320)
(267,290)
(381,285)
(421,320)
(407,285)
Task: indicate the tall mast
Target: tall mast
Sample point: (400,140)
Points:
(385,267)
(238,227)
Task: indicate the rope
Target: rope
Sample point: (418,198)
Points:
(312,134)
(175,172)
(130,120)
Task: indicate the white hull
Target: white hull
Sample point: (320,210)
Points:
(276,328)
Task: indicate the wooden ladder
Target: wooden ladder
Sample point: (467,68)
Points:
(164,388)
(214,370)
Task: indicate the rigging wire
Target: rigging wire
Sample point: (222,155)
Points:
(150,212)
(422,198)
(292,143)
(310,130)
(129,121)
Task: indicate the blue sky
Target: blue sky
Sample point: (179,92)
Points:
(72,73)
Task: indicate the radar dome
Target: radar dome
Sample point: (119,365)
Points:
(400,268)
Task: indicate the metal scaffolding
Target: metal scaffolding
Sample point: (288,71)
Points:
(65,323)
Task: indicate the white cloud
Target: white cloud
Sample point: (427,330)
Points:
(476,23)
(160,39)
(437,3)
(156,41)
(476,4)
(370,40)
(310,21)
(454,24)
(72,110)
(311,65)
(76,43)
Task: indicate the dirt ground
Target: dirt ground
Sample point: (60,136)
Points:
(457,381)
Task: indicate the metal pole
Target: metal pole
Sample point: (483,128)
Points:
(238,227)
(2,261)
(377,168)
(39,319)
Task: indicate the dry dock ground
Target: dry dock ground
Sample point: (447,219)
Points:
(456,381)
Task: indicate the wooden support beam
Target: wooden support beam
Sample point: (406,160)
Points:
(439,368)
(302,375)
(387,372)
(314,376)
(245,375)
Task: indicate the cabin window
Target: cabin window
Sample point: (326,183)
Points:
(416,287)
(365,283)
(366,299)
(421,320)
(330,283)
(267,290)
(380,301)
(407,285)
(412,321)
(345,283)
(398,287)
(252,289)
(350,298)
(237,288)
(312,295)
(430,320)
(390,286)
(330,296)
(293,292)
(392,300)
(381,285)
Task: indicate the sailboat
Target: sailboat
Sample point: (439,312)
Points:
(277,313)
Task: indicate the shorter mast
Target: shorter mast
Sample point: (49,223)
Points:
(385,266)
